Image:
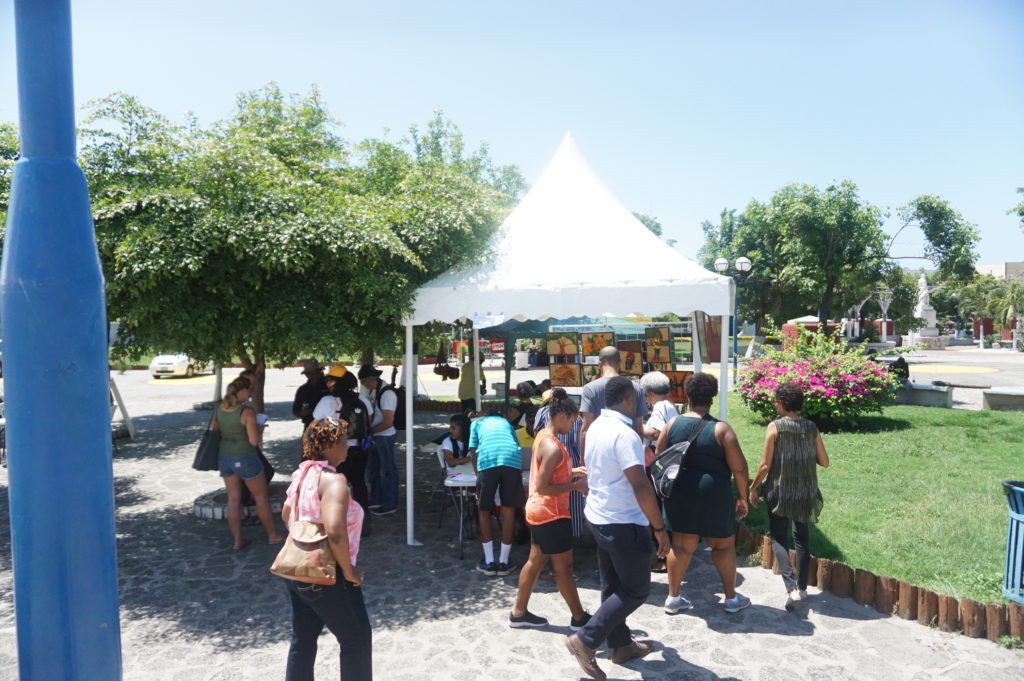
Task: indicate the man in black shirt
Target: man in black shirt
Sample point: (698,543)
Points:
(310,392)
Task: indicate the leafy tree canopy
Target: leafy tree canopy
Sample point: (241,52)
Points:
(1019,208)
(266,236)
(826,250)
(950,239)
(810,248)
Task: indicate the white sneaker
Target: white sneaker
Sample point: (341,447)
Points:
(792,599)
(736,603)
(803,594)
(674,604)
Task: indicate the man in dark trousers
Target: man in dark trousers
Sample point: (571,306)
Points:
(621,507)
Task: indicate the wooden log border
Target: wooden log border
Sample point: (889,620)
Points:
(891,596)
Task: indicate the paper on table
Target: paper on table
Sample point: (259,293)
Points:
(462,477)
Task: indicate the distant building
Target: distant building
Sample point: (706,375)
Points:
(1003,270)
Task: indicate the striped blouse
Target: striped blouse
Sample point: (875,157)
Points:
(791,487)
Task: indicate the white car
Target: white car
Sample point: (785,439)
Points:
(177,364)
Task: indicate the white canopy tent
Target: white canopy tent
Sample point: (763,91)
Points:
(568,249)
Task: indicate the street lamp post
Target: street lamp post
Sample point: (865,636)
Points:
(742,265)
(884,295)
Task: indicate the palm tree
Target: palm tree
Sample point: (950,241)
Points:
(1008,302)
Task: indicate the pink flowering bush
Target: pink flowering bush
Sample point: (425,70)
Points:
(839,383)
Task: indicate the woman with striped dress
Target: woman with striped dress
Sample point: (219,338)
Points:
(792,448)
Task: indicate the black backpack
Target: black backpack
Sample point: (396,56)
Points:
(399,420)
(354,411)
(666,467)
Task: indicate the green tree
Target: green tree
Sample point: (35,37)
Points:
(1019,208)
(8,157)
(760,236)
(1008,302)
(950,239)
(260,237)
(654,224)
(837,250)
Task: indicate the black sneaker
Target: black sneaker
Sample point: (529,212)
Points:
(506,568)
(485,568)
(577,624)
(526,621)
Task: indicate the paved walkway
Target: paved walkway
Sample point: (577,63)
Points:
(193,609)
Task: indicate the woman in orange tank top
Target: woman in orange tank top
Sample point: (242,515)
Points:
(552,478)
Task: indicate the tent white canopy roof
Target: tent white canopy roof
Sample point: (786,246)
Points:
(571,249)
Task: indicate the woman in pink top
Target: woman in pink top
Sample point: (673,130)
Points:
(319,494)
(552,478)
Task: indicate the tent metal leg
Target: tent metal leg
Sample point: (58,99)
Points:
(410,455)
(476,367)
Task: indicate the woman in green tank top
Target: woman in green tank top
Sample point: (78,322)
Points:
(702,504)
(239,462)
(792,450)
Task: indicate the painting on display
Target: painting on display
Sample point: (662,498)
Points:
(631,355)
(562,345)
(592,342)
(590,372)
(565,375)
(676,381)
(658,350)
(659,366)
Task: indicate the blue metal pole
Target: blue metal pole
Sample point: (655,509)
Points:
(56,379)
(735,326)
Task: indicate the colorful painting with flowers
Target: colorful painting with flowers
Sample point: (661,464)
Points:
(565,375)
(839,383)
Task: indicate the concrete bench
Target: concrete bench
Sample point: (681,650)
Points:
(1003,399)
(924,395)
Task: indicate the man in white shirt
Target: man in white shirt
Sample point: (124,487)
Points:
(381,469)
(621,506)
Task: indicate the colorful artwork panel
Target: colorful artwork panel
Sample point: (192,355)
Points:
(658,349)
(593,341)
(562,344)
(677,379)
(565,375)
(631,355)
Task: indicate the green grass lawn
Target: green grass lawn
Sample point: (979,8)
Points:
(915,494)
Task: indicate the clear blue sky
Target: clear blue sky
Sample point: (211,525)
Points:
(683,108)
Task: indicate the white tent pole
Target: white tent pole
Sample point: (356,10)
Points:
(698,340)
(476,368)
(410,388)
(723,356)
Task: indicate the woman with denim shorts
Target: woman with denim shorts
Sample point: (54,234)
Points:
(318,494)
(239,462)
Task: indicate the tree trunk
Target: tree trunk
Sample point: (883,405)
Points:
(366,358)
(825,308)
(259,369)
(257,364)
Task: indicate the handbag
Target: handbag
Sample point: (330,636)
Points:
(209,447)
(306,555)
(666,467)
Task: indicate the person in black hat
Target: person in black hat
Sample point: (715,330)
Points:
(309,393)
(382,473)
